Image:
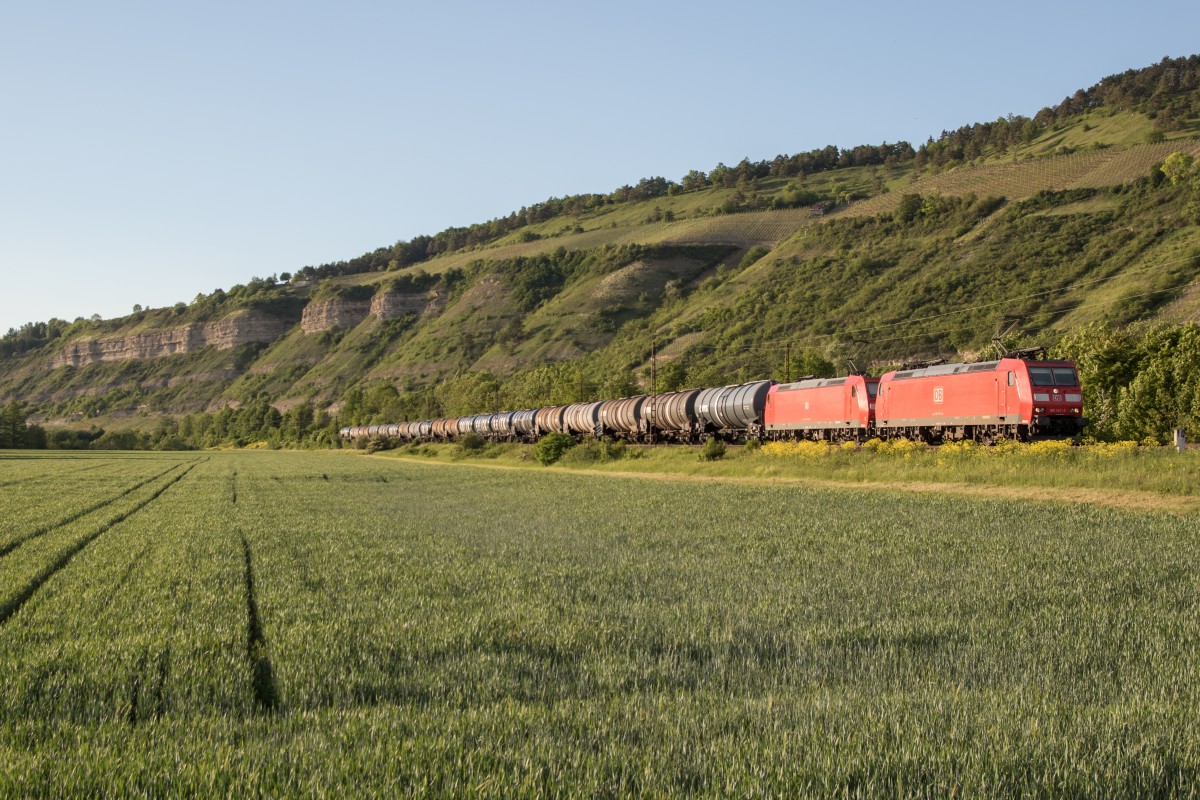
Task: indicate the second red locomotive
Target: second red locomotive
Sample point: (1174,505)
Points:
(1010,398)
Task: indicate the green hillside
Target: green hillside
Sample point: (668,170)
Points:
(819,262)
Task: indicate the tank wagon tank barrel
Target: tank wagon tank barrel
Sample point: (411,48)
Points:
(732,409)
(582,419)
(672,414)
(622,418)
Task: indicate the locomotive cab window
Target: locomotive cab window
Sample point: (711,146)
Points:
(872,389)
(1065,376)
(1053,376)
(1012,378)
(1041,376)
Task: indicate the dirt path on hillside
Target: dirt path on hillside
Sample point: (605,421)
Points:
(1124,499)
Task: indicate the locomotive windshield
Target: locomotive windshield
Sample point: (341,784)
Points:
(1053,376)
(1065,376)
(872,388)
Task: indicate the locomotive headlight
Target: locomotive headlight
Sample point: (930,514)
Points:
(1039,410)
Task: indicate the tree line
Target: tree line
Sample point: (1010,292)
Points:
(1166,92)
(16,433)
(254,424)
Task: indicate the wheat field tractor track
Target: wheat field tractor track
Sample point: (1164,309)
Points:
(298,623)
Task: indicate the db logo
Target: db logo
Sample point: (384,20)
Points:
(938,395)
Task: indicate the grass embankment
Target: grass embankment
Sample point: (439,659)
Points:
(1117,474)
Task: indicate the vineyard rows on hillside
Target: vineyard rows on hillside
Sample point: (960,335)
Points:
(742,229)
(1090,169)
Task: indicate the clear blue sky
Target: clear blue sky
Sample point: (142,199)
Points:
(152,150)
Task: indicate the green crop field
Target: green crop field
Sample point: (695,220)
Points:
(296,624)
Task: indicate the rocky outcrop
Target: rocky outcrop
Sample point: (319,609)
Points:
(242,327)
(324,315)
(392,305)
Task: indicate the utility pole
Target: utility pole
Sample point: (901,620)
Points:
(653,388)
(787,362)
(653,368)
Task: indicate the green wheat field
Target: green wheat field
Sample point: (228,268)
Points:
(329,624)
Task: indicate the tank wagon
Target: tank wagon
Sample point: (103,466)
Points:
(1015,397)
(500,426)
(549,420)
(524,424)
(582,419)
(672,416)
(730,411)
(623,418)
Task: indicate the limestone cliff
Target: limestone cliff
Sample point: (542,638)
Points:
(324,315)
(241,327)
(391,305)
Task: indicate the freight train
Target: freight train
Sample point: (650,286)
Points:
(1017,397)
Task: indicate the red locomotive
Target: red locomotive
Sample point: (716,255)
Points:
(838,409)
(1011,397)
